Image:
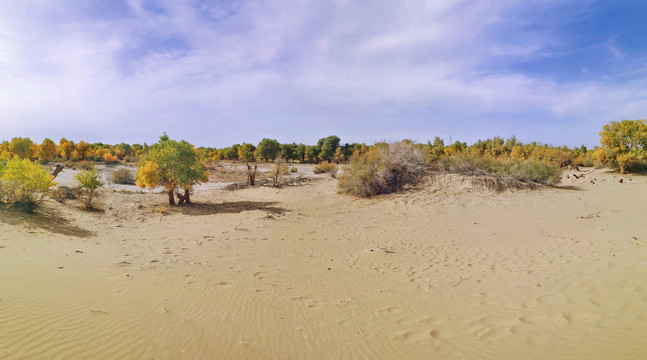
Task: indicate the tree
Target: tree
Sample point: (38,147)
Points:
(66,148)
(173,165)
(24,183)
(90,180)
(289,151)
(47,150)
(312,153)
(625,142)
(81,151)
(300,153)
(327,147)
(21,147)
(231,153)
(268,149)
(246,152)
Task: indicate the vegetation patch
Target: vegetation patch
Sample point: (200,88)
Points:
(123,176)
(384,169)
(24,184)
(325,167)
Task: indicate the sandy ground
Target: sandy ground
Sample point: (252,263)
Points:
(441,272)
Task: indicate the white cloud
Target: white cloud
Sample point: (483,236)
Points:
(255,69)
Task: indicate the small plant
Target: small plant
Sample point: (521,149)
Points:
(294,169)
(325,167)
(123,176)
(62,193)
(384,169)
(530,171)
(24,184)
(89,180)
(85,165)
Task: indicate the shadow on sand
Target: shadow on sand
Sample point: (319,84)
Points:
(569,187)
(231,208)
(45,219)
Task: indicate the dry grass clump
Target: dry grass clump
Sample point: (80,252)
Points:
(500,175)
(384,169)
(123,176)
(62,193)
(325,167)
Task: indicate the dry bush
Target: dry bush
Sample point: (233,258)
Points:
(384,169)
(294,169)
(500,175)
(62,193)
(85,165)
(123,176)
(325,167)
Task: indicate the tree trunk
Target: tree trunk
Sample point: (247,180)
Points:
(251,174)
(171,198)
(56,171)
(184,198)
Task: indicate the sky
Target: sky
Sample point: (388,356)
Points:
(219,72)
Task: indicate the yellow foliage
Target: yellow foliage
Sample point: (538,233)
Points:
(25,183)
(149,175)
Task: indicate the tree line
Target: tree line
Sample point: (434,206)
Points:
(177,166)
(623,145)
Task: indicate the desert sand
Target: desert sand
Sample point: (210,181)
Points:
(443,271)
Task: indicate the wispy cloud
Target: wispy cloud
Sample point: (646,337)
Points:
(218,72)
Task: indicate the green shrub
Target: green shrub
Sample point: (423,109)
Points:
(501,174)
(89,180)
(24,184)
(384,169)
(531,171)
(123,176)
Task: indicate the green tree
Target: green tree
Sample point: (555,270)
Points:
(312,153)
(301,153)
(268,149)
(246,152)
(231,153)
(173,165)
(24,183)
(289,152)
(327,147)
(90,180)
(624,143)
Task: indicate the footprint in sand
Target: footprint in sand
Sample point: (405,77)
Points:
(308,302)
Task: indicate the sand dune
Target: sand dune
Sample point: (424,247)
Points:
(444,271)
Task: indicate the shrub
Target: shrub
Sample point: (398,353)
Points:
(24,184)
(501,174)
(294,169)
(325,167)
(85,165)
(123,176)
(531,171)
(89,180)
(384,169)
(62,193)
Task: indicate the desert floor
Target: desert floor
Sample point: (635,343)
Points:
(444,271)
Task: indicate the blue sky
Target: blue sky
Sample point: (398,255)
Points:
(222,72)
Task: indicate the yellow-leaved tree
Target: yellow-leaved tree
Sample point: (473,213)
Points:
(624,143)
(24,183)
(173,165)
